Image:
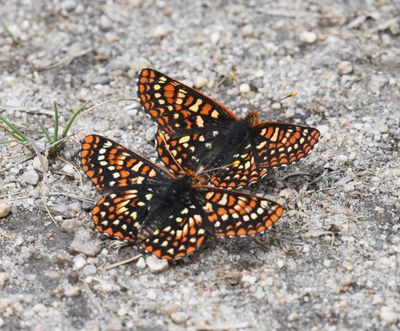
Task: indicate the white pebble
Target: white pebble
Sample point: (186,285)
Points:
(3,279)
(5,208)
(141,263)
(68,169)
(155,264)
(179,317)
(276,106)
(389,316)
(290,113)
(79,262)
(344,68)
(244,88)
(247,30)
(30,177)
(215,37)
(200,82)
(160,31)
(89,270)
(308,37)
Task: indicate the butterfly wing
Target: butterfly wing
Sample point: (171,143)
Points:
(182,235)
(232,213)
(281,144)
(120,215)
(110,165)
(175,106)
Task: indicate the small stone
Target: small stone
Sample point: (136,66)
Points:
(248,280)
(71,291)
(105,23)
(259,73)
(244,88)
(141,263)
(70,225)
(87,205)
(247,30)
(160,31)
(389,316)
(3,279)
(290,113)
(155,264)
(309,37)
(383,128)
(200,82)
(30,177)
(179,317)
(327,263)
(89,270)
(79,262)
(5,209)
(396,173)
(276,106)
(344,68)
(68,169)
(82,243)
(280,264)
(215,38)
(293,317)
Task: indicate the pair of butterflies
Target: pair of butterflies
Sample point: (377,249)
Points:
(168,212)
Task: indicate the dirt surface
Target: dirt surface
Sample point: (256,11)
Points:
(332,261)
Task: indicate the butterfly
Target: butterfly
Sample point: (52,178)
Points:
(197,131)
(165,214)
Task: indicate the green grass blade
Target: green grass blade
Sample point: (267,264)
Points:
(55,135)
(8,32)
(44,130)
(15,130)
(80,109)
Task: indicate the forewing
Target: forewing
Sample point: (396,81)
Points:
(280,144)
(182,235)
(120,215)
(110,165)
(175,106)
(232,213)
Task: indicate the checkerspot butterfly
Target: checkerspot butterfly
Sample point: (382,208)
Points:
(165,214)
(199,131)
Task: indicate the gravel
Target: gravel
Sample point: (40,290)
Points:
(331,263)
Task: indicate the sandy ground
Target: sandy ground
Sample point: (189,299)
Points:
(332,261)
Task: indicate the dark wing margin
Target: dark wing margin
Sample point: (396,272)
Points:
(281,144)
(173,105)
(110,165)
(232,213)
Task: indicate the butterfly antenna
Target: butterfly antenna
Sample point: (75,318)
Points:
(292,94)
(169,152)
(234,163)
(235,79)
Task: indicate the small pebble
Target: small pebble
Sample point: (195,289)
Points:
(5,209)
(293,317)
(200,81)
(155,264)
(244,88)
(247,30)
(83,243)
(160,31)
(68,169)
(105,23)
(30,177)
(389,316)
(290,113)
(179,317)
(215,37)
(383,128)
(344,68)
(79,262)
(141,263)
(71,291)
(308,37)
(89,270)
(248,280)
(276,106)
(70,225)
